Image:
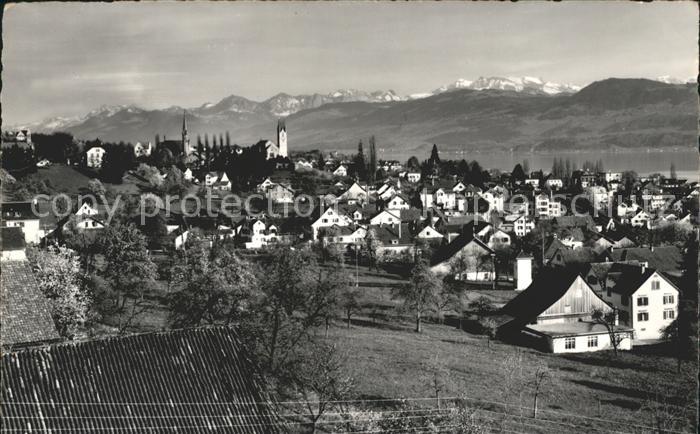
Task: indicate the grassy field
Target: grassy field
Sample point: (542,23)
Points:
(594,392)
(589,392)
(66,179)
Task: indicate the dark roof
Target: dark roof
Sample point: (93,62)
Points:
(449,250)
(25,313)
(666,258)
(18,211)
(549,285)
(385,234)
(193,380)
(572,221)
(628,278)
(12,238)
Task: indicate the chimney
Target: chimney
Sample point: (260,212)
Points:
(644,267)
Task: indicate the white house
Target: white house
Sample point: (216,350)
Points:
(556,310)
(495,199)
(141,150)
(554,183)
(533,182)
(385,217)
(354,193)
(546,207)
(446,198)
(398,202)
(499,238)
(466,258)
(20,215)
(95,156)
(429,233)
(413,177)
(641,219)
(187,174)
(330,217)
(646,300)
(523,225)
(341,171)
(613,177)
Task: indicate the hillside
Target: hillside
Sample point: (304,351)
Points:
(610,114)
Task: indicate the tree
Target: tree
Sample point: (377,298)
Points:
(216,285)
(57,270)
(673,173)
(372,159)
(542,377)
(518,174)
(420,293)
(349,301)
(608,319)
(96,188)
(128,270)
(293,296)
(322,381)
(413,163)
(359,163)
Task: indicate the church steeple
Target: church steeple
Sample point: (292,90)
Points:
(185,137)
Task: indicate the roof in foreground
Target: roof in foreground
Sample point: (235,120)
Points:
(25,314)
(194,380)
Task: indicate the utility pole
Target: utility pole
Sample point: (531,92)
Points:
(357,266)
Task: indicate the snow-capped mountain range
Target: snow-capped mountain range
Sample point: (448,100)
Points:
(282,104)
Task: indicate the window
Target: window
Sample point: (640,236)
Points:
(643,316)
(592,341)
(669,299)
(655,284)
(394,241)
(669,314)
(324,220)
(642,301)
(570,343)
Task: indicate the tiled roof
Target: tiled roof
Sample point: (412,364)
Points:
(548,287)
(25,313)
(190,381)
(667,258)
(446,252)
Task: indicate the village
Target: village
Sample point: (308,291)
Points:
(510,266)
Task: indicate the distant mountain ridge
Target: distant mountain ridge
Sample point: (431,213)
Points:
(482,114)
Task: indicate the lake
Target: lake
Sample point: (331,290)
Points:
(643,162)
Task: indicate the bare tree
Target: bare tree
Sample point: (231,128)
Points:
(542,378)
(350,302)
(609,321)
(438,376)
(321,381)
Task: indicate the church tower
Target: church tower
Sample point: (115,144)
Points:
(282,138)
(185,138)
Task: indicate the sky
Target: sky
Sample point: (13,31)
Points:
(69,58)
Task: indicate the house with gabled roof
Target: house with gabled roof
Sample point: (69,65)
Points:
(429,233)
(465,258)
(385,217)
(21,215)
(554,314)
(332,216)
(398,202)
(645,298)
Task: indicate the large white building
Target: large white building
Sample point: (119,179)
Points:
(94,157)
(645,299)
